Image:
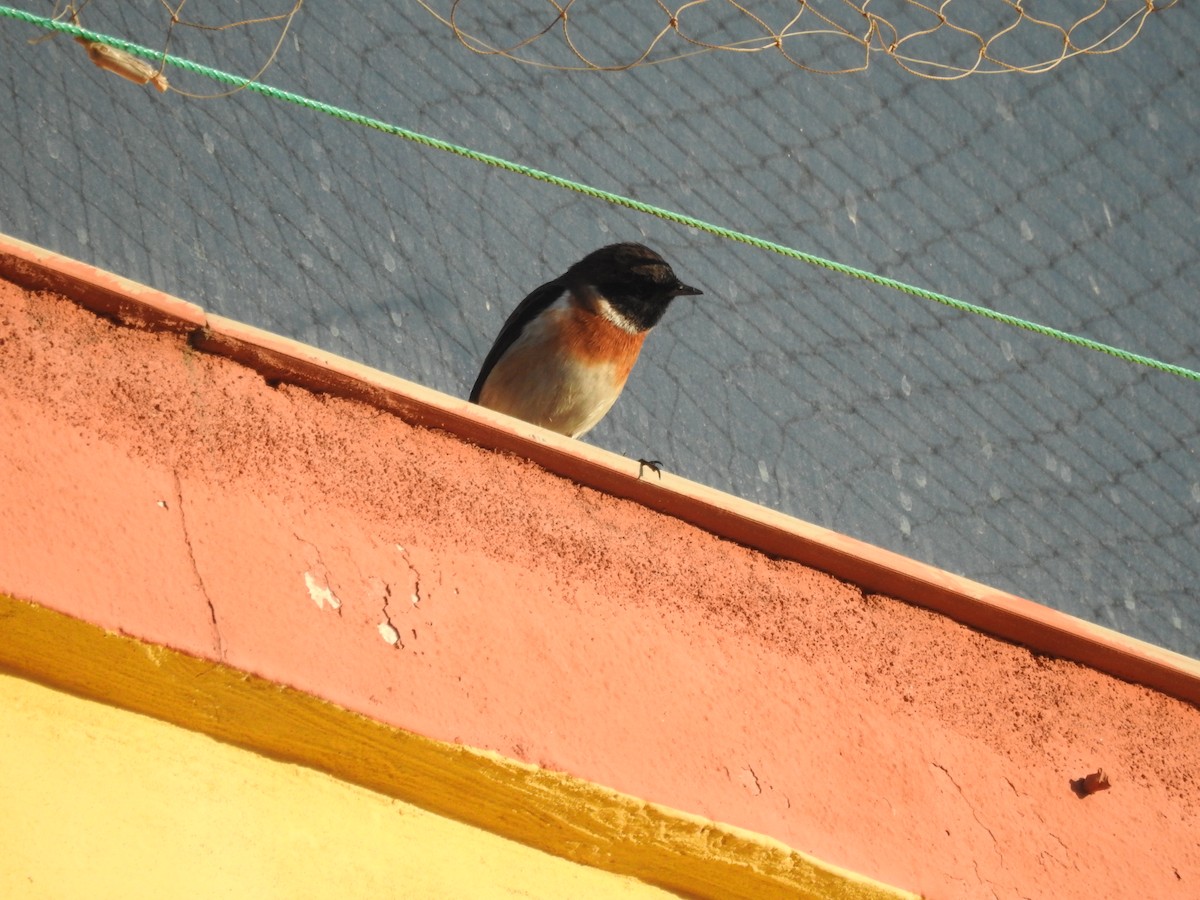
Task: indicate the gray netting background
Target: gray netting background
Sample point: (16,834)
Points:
(1070,198)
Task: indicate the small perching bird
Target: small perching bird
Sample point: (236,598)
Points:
(564,354)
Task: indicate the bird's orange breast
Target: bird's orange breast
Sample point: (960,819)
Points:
(591,339)
(564,372)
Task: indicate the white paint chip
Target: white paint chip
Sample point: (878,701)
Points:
(388,633)
(320,593)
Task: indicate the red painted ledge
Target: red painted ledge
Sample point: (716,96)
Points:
(184,499)
(872,568)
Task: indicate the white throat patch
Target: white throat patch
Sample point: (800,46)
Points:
(609,312)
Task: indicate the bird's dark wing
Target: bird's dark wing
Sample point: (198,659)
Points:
(529,308)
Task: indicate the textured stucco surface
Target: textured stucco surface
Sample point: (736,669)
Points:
(179,498)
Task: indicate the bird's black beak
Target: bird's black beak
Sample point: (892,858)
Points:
(683,290)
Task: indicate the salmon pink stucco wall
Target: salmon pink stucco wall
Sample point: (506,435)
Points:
(472,597)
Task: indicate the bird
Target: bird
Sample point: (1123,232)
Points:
(564,354)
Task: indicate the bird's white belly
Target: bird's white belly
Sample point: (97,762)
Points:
(537,384)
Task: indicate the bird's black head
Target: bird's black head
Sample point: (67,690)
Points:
(636,281)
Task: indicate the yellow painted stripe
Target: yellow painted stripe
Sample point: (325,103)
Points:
(551,811)
(105,804)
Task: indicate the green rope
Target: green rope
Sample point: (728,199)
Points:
(597,193)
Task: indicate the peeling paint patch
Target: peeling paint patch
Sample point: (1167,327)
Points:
(321,594)
(416,594)
(387,630)
(154,653)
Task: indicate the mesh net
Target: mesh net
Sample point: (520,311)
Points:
(173,22)
(946,40)
(1060,474)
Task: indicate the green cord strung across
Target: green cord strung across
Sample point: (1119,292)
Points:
(617,199)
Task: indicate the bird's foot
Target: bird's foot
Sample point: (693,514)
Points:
(654,465)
